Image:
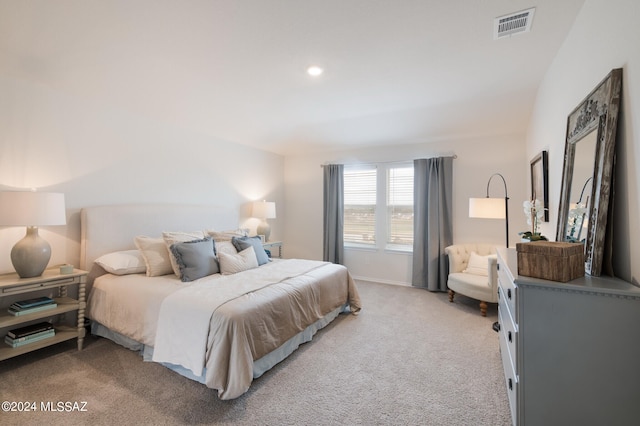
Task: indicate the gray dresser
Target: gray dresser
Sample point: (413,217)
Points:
(570,351)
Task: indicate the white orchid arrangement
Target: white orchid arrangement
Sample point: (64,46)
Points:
(534,211)
(576,221)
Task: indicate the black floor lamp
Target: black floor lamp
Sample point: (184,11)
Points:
(492,208)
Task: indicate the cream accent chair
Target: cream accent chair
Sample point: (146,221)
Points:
(469,280)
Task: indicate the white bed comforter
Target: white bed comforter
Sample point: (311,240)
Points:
(185,315)
(219,325)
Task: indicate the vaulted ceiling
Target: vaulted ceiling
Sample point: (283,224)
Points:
(395,71)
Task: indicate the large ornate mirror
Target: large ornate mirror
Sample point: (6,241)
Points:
(589,156)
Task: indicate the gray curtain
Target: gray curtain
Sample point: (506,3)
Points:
(333,215)
(432,222)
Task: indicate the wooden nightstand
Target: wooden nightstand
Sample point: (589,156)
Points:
(272,245)
(12,285)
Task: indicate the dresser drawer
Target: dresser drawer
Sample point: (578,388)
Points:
(509,291)
(507,353)
(508,330)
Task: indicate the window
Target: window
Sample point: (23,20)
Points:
(400,205)
(360,205)
(378,206)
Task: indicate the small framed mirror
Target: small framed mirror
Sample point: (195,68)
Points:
(589,157)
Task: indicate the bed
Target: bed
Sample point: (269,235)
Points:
(222,327)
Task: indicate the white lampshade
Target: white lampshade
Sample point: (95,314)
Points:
(264,209)
(29,208)
(30,256)
(487,208)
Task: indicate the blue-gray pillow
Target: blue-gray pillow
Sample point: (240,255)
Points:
(196,259)
(241,243)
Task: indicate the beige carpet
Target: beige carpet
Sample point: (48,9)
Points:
(409,358)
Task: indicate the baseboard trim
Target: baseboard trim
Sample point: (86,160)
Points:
(378,280)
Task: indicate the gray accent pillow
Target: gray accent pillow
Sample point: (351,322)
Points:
(241,243)
(196,259)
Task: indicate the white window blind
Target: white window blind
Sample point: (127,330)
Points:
(360,205)
(400,205)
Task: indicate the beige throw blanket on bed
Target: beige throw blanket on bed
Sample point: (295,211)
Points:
(185,315)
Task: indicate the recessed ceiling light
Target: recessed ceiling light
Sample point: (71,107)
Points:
(314,71)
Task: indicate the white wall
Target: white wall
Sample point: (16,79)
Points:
(477,159)
(97,154)
(604,36)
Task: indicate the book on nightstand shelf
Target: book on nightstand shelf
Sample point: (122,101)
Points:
(31,338)
(15,311)
(29,330)
(31,303)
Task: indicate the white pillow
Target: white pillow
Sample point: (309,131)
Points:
(234,263)
(225,235)
(179,237)
(155,254)
(225,247)
(123,262)
(478,265)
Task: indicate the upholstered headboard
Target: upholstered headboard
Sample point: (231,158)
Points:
(105,229)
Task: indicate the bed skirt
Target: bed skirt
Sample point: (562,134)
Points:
(260,366)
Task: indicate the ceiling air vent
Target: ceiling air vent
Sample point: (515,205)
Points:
(519,22)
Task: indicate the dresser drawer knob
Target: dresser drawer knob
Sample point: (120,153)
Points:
(509,337)
(510,384)
(509,293)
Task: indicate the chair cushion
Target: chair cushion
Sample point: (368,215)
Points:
(470,285)
(478,265)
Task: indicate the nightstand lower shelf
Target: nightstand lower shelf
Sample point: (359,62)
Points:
(62,334)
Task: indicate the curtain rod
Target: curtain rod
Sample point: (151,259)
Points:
(385,162)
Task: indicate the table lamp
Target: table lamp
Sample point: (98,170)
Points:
(30,256)
(264,210)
